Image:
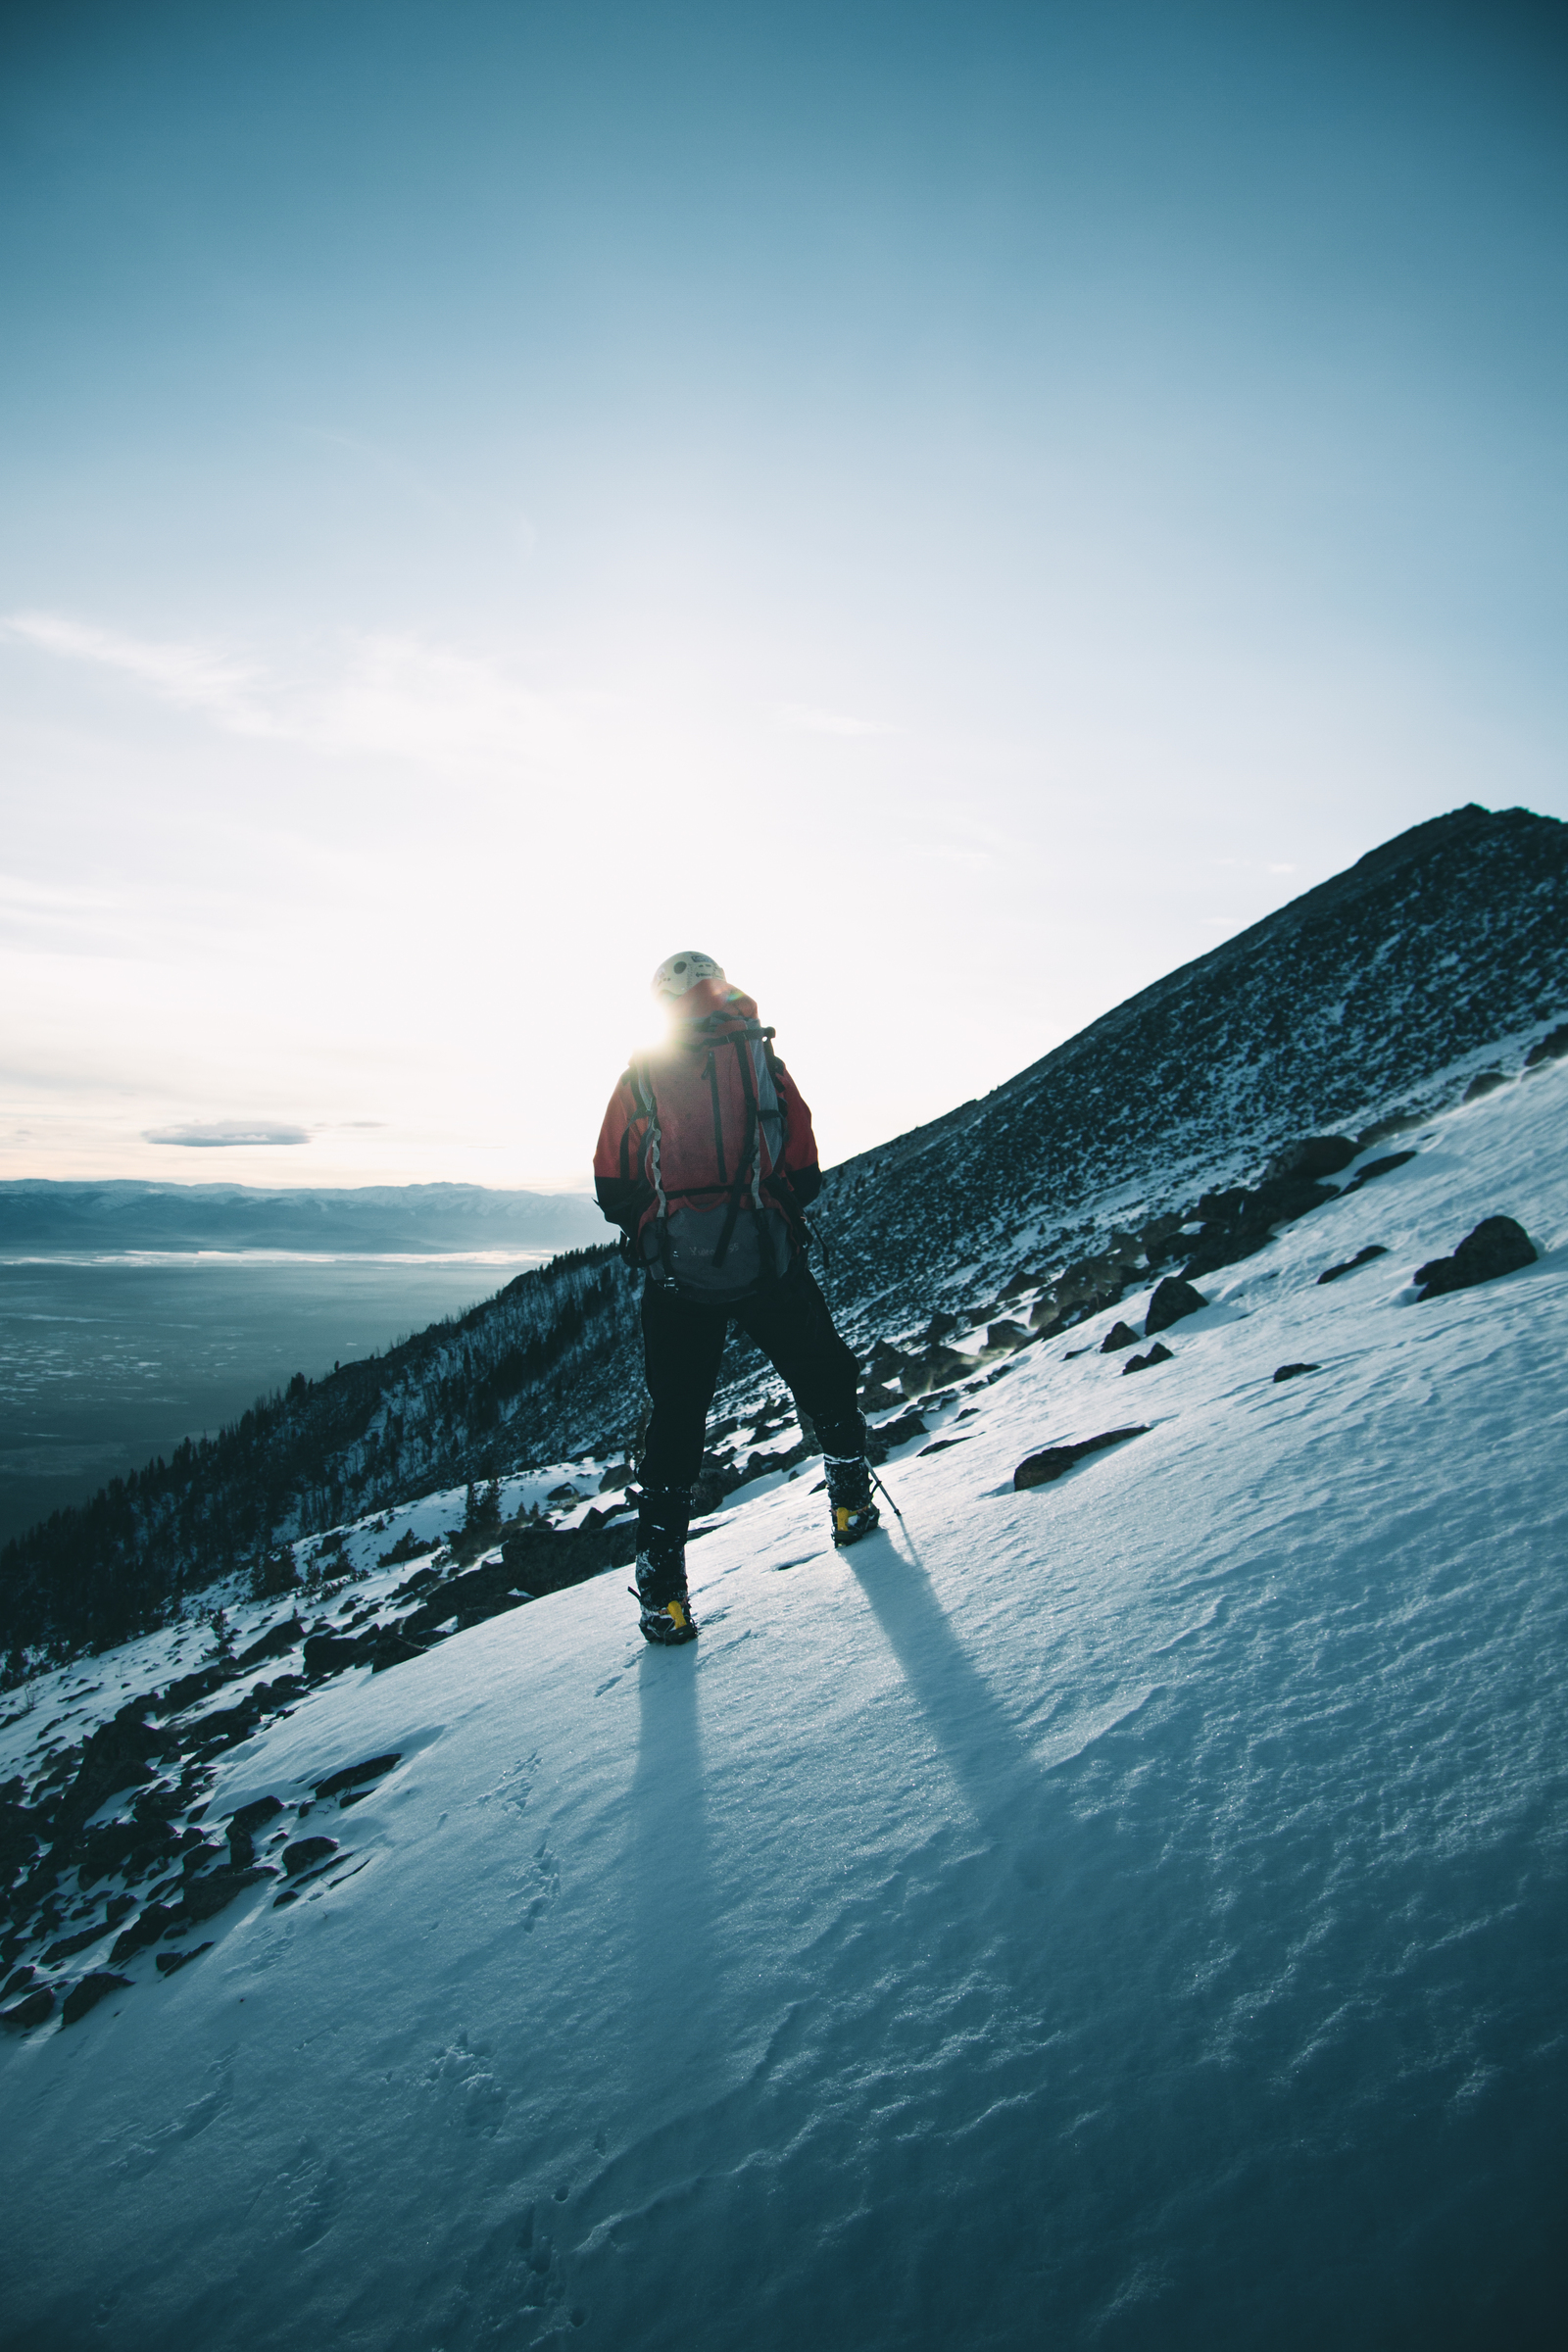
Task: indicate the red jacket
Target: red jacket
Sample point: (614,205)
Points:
(712,1128)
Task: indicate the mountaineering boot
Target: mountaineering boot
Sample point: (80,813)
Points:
(849,1493)
(662,1516)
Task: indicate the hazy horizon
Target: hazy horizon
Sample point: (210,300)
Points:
(953,511)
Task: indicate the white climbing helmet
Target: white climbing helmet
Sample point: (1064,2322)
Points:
(678,973)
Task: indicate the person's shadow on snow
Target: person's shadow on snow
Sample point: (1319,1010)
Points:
(667,1861)
(990,1762)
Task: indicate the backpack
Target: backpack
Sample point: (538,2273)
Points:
(715,1134)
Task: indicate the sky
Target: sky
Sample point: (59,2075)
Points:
(953,509)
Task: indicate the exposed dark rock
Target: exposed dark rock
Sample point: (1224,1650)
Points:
(1378,1167)
(205,1897)
(167,1963)
(305,1852)
(1006,1334)
(253,1817)
(19,1829)
(69,1945)
(192,1688)
(89,1993)
(881,1442)
(1043,1468)
(1159,1353)
(330,1653)
(1173,1299)
(1550,1047)
(1483,1083)
(274,1643)
(1241,1220)
(387,1648)
(1314,1157)
(1159,1237)
(1383,1130)
(1496,1247)
(117,1756)
(1120,1335)
(18,1983)
(375,1768)
(1362,1258)
(154,1922)
(226,1727)
(1294,1371)
(32,2011)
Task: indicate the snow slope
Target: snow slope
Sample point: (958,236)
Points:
(1127,1913)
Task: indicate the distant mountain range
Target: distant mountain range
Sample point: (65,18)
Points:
(373,1219)
(1438,962)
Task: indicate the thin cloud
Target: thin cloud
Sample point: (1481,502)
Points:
(192,677)
(399,696)
(216,1135)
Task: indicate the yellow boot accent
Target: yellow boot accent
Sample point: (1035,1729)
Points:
(841,1518)
(676,1609)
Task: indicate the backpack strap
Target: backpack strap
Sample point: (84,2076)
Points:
(750,1149)
(642,1087)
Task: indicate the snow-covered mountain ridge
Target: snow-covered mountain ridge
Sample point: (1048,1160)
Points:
(1384,991)
(1122,1912)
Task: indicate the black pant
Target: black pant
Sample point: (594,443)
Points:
(682,1345)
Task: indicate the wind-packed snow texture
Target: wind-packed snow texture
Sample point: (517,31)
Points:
(1127,1913)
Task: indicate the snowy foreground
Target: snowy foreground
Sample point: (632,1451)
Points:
(1126,1913)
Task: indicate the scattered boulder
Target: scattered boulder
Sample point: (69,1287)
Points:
(330,1653)
(1362,1258)
(1159,1353)
(1550,1047)
(69,1945)
(880,1441)
(33,2010)
(1314,1157)
(1158,1236)
(1381,1130)
(1173,1299)
(1497,1245)
(117,1756)
(192,1687)
(226,1727)
(1006,1335)
(274,1643)
(154,1922)
(353,1776)
(167,1963)
(249,1818)
(1120,1335)
(305,1853)
(1485,1082)
(1294,1371)
(89,1993)
(1054,1461)
(205,1897)
(1377,1167)
(18,1981)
